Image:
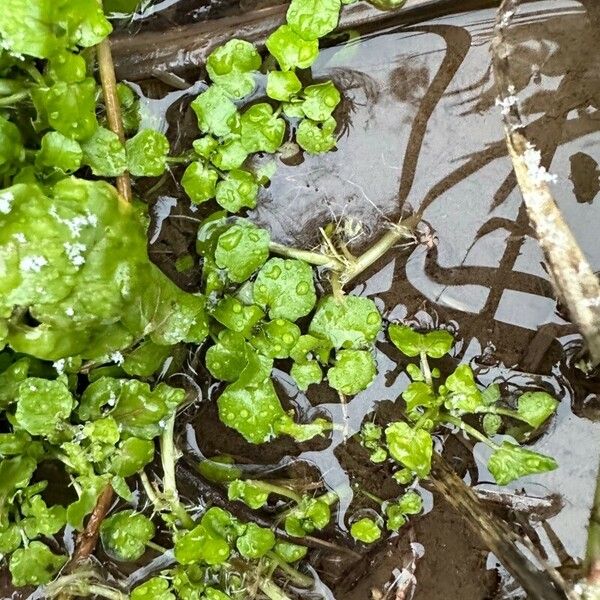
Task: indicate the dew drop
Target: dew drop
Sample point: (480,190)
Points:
(302,288)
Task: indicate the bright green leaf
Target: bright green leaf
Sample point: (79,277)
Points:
(125,534)
(413,448)
(255,542)
(313,19)
(320,100)
(510,462)
(104,153)
(536,407)
(285,288)
(262,131)
(353,372)
(351,322)
(34,565)
(290,50)
(237,190)
(59,152)
(199,182)
(147,153)
(316,137)
(282,85)
(365,530)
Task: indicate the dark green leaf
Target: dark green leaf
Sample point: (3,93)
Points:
(199,182)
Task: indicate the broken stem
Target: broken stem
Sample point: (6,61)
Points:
(314,258)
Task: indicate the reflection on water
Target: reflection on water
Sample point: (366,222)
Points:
(420,131)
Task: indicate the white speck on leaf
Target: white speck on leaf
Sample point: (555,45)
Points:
(32,263)
(6,200)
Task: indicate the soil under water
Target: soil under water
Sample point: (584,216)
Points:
(420,133)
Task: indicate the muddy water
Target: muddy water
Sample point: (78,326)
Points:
(420,132)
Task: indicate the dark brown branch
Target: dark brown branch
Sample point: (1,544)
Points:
(495,534)
(88,538)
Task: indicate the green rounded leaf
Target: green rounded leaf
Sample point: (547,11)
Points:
(365,530)
(290,50)
(413,448)
(199,182)
(41,405)
(131,456)
(353,372)
(238,190)
(216,113)
(251,495)
(226,156)
(285,288)
(232,65)
(153,589)
(262,131)
(290,552)
(255,542)
(34,565)
(313,19)
(536,407)
(242,250)
(351,322)
(282,85)
(320,101)
(147,153)
(276,339)
(125,535)
(306,374)
(315,137)
(200,544)
(104,153)
(59,152)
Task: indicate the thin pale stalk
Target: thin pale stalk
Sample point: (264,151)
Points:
(113,107)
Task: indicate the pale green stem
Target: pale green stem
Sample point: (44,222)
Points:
(295,576)
(168,459)
(157,547)
(468,429)
(272,590)
(425,368)
(314,258)
(13,98)
(376,251)
(276,489)
(498,410)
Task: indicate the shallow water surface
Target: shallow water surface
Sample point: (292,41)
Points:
(420,133)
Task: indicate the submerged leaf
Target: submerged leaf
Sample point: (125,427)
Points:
(536,407)
(509,462)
